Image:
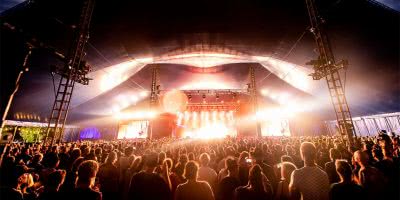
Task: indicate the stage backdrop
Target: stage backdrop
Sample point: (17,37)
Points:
(133,129)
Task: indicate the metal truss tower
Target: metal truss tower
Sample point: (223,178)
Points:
(75,70)
(154,93)
(253,97)
(326,67)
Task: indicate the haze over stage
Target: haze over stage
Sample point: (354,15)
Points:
(256,29)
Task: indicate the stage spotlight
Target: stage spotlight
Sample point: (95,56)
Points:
(207,117)
(116,108)
(194,120)
(125,103)
(283,98)
(143,93)
(221,115)
(187,116)
(140,115)
(264,92)
(150,114)
(179,121)
(214,116)
(134,98)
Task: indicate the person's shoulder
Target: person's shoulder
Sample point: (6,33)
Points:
(153,175)
(211,170)
(203,183)
(206,169)
(356,187)
(139,174)
(180,186)
(371,169)
(9,193)
(298,171)
(97,194)
(317,170)
(229,179)
(265,166)
(226,179)
(329,164)
(241,189)
(85,193)
(52,195)
(334,186)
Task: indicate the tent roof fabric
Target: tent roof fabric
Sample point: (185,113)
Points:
(127,38)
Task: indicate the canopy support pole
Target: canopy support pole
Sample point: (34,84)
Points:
(155,88)
(326,67)
(253,97)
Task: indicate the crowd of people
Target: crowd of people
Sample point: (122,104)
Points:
(278,168)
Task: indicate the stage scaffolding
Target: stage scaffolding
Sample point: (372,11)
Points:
(370,125)
(326,67)
(251,91)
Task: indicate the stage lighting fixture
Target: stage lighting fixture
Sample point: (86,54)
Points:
(143,94)
(221,115)
(283,98)
(264,92)
(214,115)
(124,103)
(179,121)
(150,114)
(116,109)
(134,98)
(187,116)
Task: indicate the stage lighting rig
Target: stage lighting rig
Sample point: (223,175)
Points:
(321,70)
(326,67)
(74,70)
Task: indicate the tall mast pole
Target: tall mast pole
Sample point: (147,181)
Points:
(326,67)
